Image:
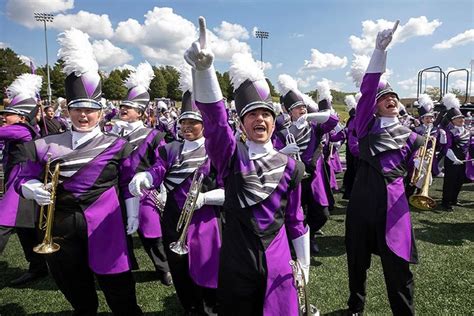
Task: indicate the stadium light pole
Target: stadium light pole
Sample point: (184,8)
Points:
(261,35)
(470,81)
(45,17)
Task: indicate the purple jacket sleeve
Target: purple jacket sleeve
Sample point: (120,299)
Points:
(294,214)
(220,141)
(15,132)
(158,171)
(367,106)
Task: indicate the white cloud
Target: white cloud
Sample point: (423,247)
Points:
(279,65)
(109,56)
(254,30)
(458,40)
(98,26)
(305,83)
(228,31)
(266,65)
(3,45)
(459,84)
(419,26)
(22,11)
(296,35)
(125,67)
(164,36)
(320,61)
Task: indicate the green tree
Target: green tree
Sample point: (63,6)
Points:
(57,78)
(171,76)
(224,84)
(10,67)
(273,93)
(433,92)
(113,87)
(158,87)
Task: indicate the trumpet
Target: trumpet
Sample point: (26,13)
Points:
(422,200)
(305,307)
(47,246)
(156,199)
(290,139)
(187,212)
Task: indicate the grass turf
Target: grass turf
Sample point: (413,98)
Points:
(443,279)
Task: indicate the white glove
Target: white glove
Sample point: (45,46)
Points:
(450,154)
(198,56)
(301,245)
(377,63)
(385,37)
(443,139)
(319,117)
(213,197)
(132,205)
(290,149)
(142,180)
(206,87)
(34,190)
(163,193)
(416,162)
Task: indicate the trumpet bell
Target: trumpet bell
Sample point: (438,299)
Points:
(46,248)
(422,202)
(179,248)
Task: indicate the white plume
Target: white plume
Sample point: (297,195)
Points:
(142,76)
(324,92)
(350,102)
(358,96)
(451,101)
(277,107)
(185,78)
(76,52)
(286,83)
(25,84)
(309,102)
(358,68)
(425,101)
(244,67)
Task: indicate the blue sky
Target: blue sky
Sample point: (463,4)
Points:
(309,40)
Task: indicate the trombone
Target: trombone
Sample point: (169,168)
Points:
(290,139)
(47,246)
(305,308)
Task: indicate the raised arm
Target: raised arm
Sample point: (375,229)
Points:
(366,107)
(220,141)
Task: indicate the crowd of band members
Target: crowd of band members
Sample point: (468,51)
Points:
(260,204)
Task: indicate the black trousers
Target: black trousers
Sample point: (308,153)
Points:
(454,178)
(28,239)
(156,251)
(191,296)
(349,175)
(365,235)
(316,214)
(70,269)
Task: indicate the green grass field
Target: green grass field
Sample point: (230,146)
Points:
(443,279)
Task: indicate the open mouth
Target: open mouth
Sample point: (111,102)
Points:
(259,129)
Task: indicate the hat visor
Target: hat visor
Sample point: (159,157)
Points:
(257,105)
(85,104)
(385,92)
(11,111)
(190,115)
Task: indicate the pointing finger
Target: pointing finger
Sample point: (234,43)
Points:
(395,26)
(202,32)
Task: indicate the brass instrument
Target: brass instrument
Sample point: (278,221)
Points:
(184,220)
(421,200)
(156,199)
(305,307)
(331,148)
(46,221)
(290,139)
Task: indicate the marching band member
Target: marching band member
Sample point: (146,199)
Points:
(165,123)
(427,117)
(90,209)
(308,130)
(194,274)
(15,211)
(378,215)
(458,141)
(352,147)
(145,142)
(262,201)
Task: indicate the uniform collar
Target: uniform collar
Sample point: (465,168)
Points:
(257,150)
(192,145)
(80,138)
(388,121)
